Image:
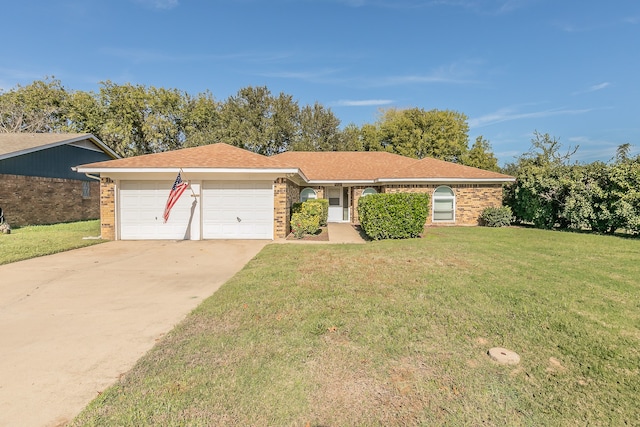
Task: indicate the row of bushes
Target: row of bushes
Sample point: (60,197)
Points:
(384,216)
(599,197)
(307,217)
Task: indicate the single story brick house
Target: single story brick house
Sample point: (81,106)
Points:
(37,185)
(238,194)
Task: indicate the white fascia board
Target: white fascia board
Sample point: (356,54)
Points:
(185,170)
(343,182)
(440,180)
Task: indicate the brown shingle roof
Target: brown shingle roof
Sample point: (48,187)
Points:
(434,168)
(345,165)
(218,155)
(331,166)
(378,165)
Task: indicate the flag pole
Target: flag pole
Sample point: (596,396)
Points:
(193,193)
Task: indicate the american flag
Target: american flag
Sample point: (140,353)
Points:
(176,191)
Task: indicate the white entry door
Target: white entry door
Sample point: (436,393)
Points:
(334,194)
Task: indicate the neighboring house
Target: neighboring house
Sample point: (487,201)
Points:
(237,194)
(37,184)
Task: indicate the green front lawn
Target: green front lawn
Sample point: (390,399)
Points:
(396,333)
(38,240)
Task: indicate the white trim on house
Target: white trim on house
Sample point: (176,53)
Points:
(444,180)
(109,171)
(382,181)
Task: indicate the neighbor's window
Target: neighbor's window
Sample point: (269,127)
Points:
(369,190)
(308,193)
(444,204)
(86,189)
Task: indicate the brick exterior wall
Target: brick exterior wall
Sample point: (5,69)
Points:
(31,200)
(285,194)
(471,199)
(356,193)
(107,209)
(280,209)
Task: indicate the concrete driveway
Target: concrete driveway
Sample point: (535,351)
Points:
(72,323)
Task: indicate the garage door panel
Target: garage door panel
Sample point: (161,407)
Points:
(237,210)
(141,207)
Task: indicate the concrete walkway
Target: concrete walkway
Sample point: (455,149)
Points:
(343,232)
(72,323)
(339,232)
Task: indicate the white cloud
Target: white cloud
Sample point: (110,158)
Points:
(593,88)
(510,114)
(362,103)
(159,4)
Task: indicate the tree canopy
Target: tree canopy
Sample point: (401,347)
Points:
(137,119)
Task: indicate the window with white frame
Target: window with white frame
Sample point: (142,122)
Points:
(369,190)
(308,193)
(444,204)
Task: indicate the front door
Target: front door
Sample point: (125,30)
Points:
(334,194)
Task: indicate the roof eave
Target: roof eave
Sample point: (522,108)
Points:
(104,170)
(341,181)
(445,179)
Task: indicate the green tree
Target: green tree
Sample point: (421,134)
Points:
(442,134)
(481,156)
(319,130)
(258,122)
(37,107)
(140,119)
(201,119)
(351,138)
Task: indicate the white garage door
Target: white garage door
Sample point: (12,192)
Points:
(141,207)
(237,210)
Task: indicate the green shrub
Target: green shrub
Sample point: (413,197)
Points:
(324,210)
(318,207)
(302,223)
(496,217)
(393,216)
(296,207)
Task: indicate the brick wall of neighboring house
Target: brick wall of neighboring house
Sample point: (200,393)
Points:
(107,209)
(30,200)
(471,199)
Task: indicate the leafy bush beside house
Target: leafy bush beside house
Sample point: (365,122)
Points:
(496,217)
(393,216)
(307,217)
(302,224)
(552,192)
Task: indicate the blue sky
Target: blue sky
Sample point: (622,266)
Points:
(570,68)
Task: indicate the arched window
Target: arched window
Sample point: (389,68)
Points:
(308,193)
(369,190)
(444,204)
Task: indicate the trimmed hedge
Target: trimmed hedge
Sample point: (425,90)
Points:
(393,216)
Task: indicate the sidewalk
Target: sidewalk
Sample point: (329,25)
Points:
(343,232)
(339,232)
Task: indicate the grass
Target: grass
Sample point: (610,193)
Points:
(396,333)
(38,240)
